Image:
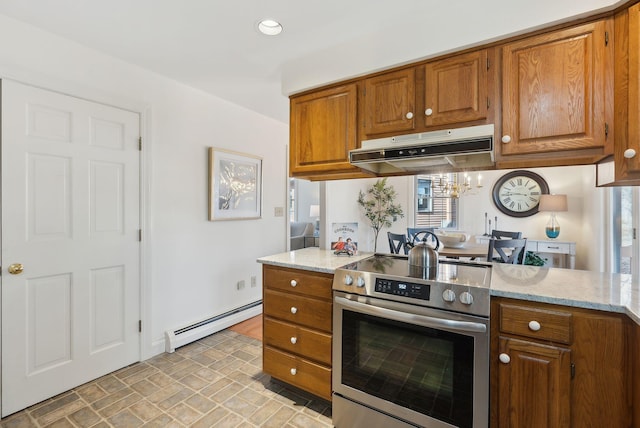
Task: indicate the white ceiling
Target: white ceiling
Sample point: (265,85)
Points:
(214,45)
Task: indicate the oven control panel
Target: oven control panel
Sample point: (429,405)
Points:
(402,288)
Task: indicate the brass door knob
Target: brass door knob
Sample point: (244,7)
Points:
(16,268)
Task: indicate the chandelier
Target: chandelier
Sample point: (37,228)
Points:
(450,186)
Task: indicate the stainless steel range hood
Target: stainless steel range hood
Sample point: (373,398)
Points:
(445,150)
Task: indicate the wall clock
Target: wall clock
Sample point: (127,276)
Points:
(517,193)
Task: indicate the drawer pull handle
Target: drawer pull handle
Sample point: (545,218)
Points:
(294,340)
(294,282)
(534,325)
(505,358)
(294,309)
(293,372)
(553,248)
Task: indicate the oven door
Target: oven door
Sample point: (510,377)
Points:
(424,366)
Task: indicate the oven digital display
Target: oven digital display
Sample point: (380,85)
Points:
(401,288)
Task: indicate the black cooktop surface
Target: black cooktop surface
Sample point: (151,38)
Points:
(449,271)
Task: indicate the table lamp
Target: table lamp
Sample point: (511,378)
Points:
(553,204)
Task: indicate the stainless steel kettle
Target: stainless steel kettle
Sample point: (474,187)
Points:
(423,258)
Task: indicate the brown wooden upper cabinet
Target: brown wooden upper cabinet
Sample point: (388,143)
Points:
(323,129)
(557,94)
(455,89)
(389,102)
(633,140)
(627,98)
(439,93)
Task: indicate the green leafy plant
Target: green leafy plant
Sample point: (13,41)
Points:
(379,207)
(534,259)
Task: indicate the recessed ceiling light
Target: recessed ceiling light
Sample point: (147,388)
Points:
(270,27)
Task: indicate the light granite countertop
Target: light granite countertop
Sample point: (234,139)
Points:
(585,289)
(313,259)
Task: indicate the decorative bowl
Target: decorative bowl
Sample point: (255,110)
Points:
(452,238)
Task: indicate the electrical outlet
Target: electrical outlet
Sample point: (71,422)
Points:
(253,281)
(278,211)
(240,284)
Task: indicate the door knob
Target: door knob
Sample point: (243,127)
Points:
(16,268)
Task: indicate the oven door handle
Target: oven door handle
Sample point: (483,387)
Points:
(461,326)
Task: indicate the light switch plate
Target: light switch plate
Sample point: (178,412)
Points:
(278,211)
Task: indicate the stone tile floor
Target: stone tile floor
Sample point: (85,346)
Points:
(214,382)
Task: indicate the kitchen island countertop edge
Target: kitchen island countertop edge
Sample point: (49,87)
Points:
(577,288)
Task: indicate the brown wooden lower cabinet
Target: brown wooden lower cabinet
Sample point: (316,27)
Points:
(583,379)
(297,309)
(297,371)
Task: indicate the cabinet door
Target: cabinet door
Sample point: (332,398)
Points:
(556,91)
(389,102)
(632,164)
(456,89)
(534,387)
(323,130)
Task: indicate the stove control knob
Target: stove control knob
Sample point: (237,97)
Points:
(360,282)
(466,298)
(348,280)
(449,295)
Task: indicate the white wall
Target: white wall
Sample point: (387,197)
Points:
(191,265)
(579,224)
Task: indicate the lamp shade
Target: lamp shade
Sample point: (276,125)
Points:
(553,203)
(314,211)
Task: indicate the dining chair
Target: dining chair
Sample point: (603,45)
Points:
(499,234)
(514,257)
(412,231)
(397,241)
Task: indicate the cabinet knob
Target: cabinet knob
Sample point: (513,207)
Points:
(294,282)
(428,112)
(629,153)
(409,115)
(293,372)
(506,139)
(294,309)
(294,340)
(534,325)
(505,358)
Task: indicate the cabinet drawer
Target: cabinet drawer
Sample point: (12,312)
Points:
(297,281)
(552,247)
(297,371)
(537,323)
(302,341)
(296,309)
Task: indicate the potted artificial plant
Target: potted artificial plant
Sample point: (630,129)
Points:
(380,207)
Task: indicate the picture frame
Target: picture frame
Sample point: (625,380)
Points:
(235,185)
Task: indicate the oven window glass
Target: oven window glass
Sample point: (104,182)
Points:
(426,370)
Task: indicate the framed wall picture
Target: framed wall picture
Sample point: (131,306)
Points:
(235,185)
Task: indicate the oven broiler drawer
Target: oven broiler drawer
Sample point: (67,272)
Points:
(298,340)
(297,309)
(296,281)
(304,374)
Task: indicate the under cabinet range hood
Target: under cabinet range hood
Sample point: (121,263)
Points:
(448,149)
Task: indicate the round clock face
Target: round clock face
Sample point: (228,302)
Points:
(518,193)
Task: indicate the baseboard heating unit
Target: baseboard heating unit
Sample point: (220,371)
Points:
(200,329)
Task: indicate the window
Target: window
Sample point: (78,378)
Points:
(435,207)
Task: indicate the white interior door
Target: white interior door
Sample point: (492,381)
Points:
(70,217)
